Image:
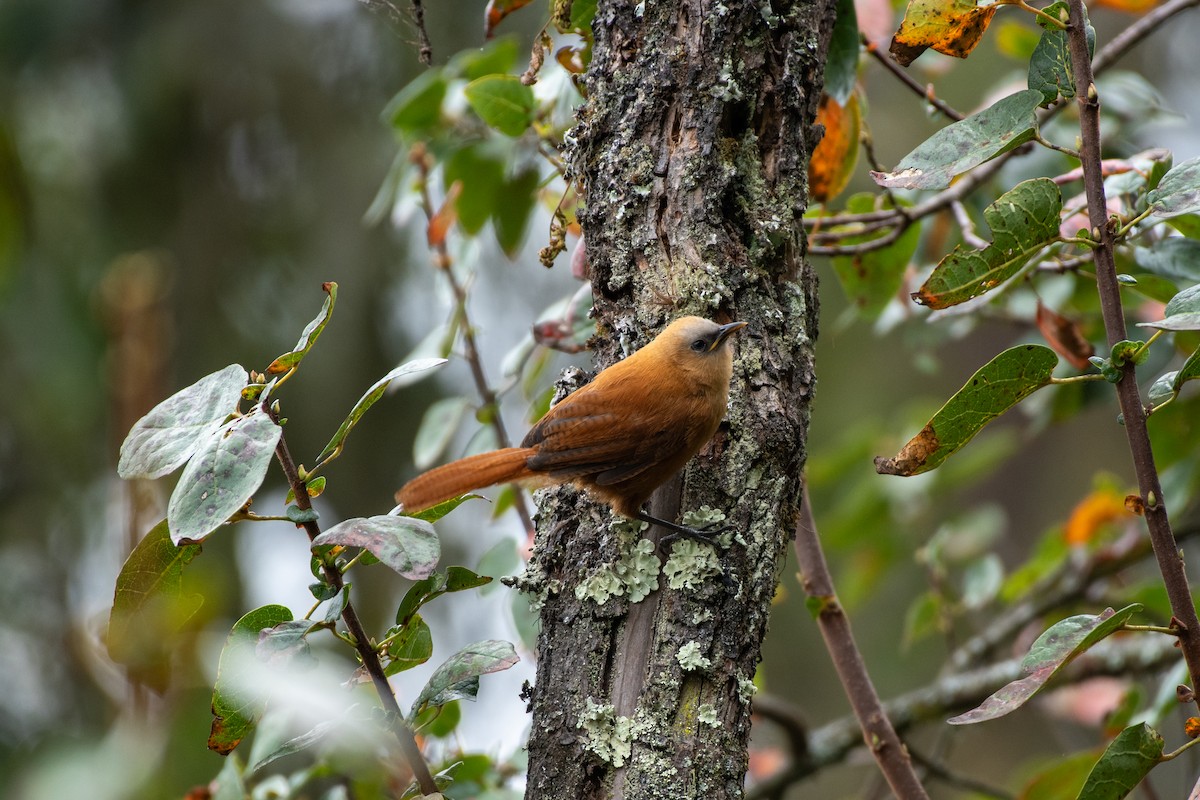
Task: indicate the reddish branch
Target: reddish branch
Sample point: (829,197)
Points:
(877,730)
(1166,550)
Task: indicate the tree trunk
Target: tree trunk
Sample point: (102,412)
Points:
(692,154)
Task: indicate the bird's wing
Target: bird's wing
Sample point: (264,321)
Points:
(588,441)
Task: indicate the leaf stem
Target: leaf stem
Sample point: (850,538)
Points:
(1151,629)
(1055,21)
(1089,377)
(1124,229)
(1177,752)
(1044,142)
(1137,354)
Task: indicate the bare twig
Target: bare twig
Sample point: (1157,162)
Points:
(362,642)
(878,220)
(877,730)
(425,49)
(944,774)
(1170,562)
(833,742)
(926,92)
(1139,29)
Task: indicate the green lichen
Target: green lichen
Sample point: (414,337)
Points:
(690,564)
(707,714)
(609,736)
(746,690)
(690,658)
(634,576)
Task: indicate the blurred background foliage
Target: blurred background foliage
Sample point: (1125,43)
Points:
(176,181)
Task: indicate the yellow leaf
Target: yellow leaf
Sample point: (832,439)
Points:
(952,27)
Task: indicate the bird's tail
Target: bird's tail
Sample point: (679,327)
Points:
(459,477)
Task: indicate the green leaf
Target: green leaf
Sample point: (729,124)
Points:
(458,677)
(412,646)
(1177,258)
(438,426)
(497,56)
(871,279)
(1178,192)
(1189,372)
(998,386)
(235,705)
(480,170)
(1182,312)
(297,744)
(409,546)
(966,144)
(165,438)
(149,606)
(511,216)
(503,102)
(286,642)
(225,472)
(1061,779)
(1023,221)
(418,106)
(1050,65)
(1052,651)
(841,64)
(922,618)
(1125,762)
(310,334)
(434,513)
(442,721)
(1187,224)
(982,580)
(455,579)
(1179,322)
(401,375)
(460,579)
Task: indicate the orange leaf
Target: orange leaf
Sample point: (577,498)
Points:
(1192,727)
(952,27)
(497,10)
(1130,6)
(1064,336)
(439,223)
(1092,513)
(833,159)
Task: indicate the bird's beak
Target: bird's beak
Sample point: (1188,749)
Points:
(723,333)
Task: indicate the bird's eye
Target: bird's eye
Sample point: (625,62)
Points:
(699,345)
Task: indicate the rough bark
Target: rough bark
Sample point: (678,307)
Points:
(692,153)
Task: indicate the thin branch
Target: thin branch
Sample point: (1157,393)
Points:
(424,48)
(362,642)
(925,92)
(967,225)
(1139,29)
(973,180)
(1166,550)
(831,743)
(944,774)
(889,752)
(474,360)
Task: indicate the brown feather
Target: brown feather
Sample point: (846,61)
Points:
(467,474)
(621,436)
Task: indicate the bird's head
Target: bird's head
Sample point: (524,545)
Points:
(698,346)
